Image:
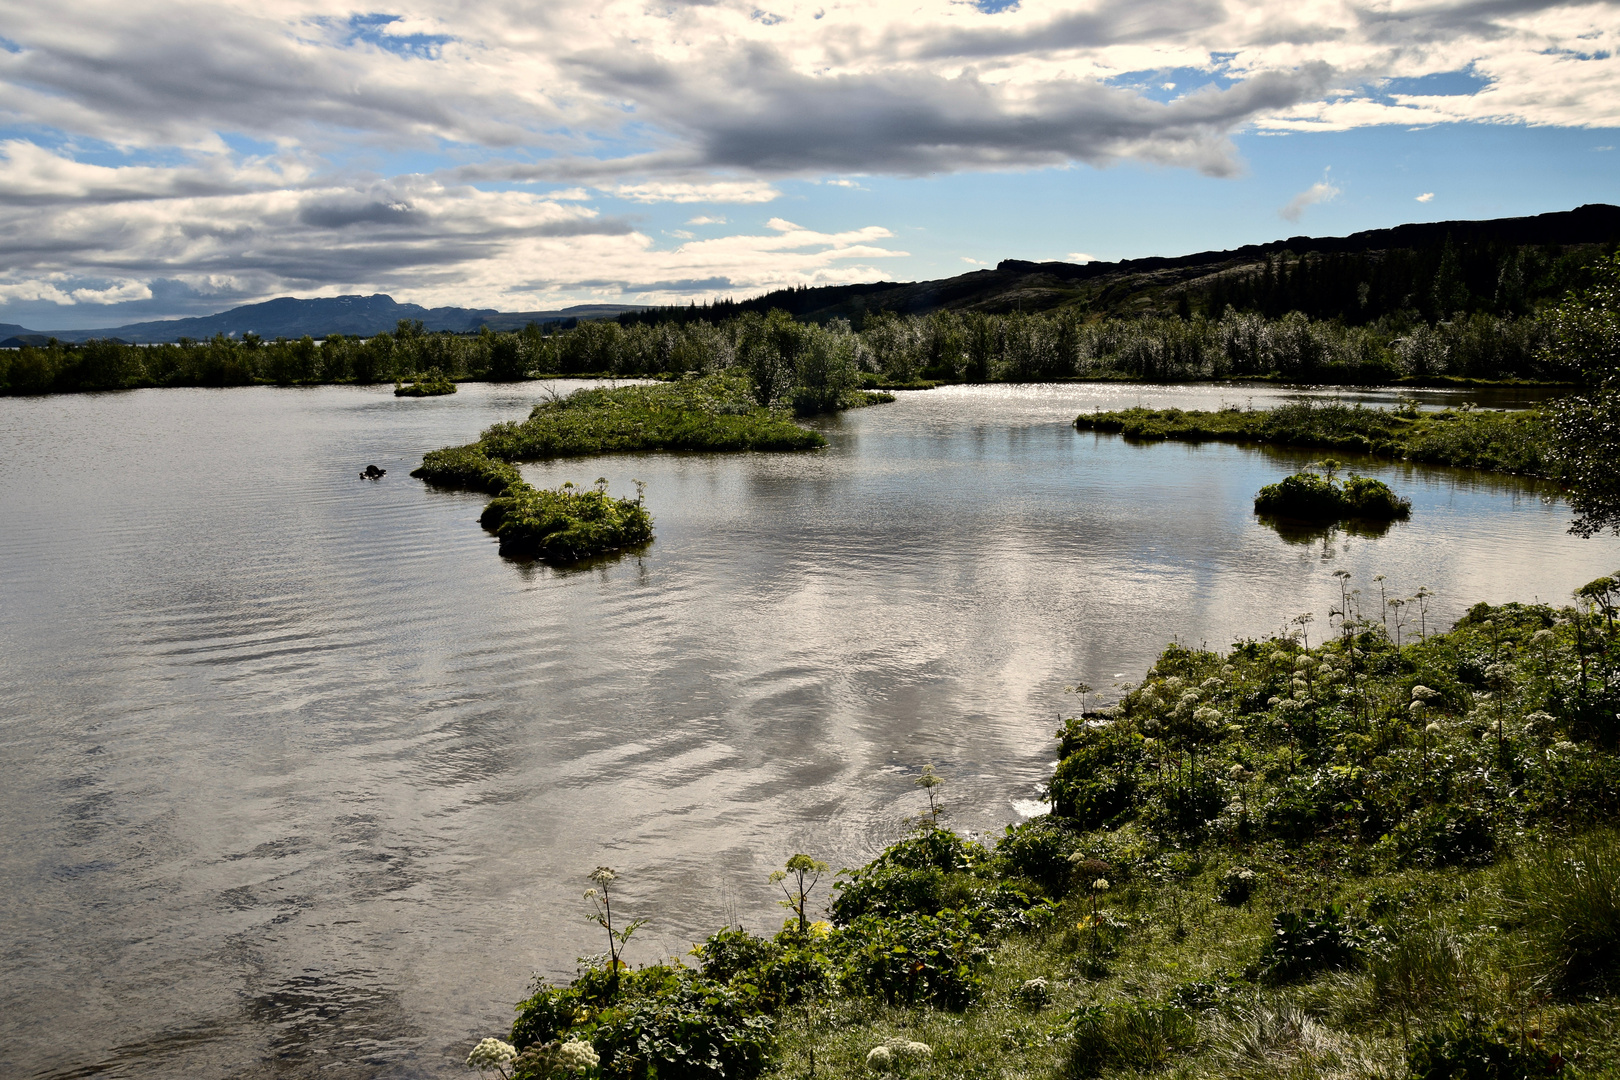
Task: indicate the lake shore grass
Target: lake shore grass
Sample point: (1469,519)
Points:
(1388,854)
(1510,442)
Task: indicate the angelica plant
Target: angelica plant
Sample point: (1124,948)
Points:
(601,900)
(804,872)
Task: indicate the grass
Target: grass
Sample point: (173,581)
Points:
(716,413)
(1385,855)
(429,384)
(1510,442)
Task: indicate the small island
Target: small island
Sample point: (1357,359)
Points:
(1319,497)
(565,524)
(432,383)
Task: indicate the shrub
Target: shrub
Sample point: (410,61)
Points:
(697,1030)
(1308,496)
(434,383)
(565,524)
(1038,850)
(1468,1049)
(1132,1035)
(1304,943)
(1446,835)
(1236,886)
(913,958)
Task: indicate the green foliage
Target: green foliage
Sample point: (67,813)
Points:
(659,1021)
(1568,903)
(434,383)
(467,468)
(713,413)
(565,524)
(1305,943)
(1512,442)
(1311,497)
(914,958)
(1129,1035)
(1471,1049)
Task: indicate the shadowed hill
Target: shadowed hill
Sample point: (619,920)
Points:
(1401,266)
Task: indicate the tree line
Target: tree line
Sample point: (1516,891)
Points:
(888,349)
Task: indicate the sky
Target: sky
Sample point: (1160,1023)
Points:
(167,159)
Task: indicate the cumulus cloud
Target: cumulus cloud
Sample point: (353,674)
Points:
(1426,196)
(197,141)
(1320,192)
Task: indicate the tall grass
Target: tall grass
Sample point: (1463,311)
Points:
(1567,902)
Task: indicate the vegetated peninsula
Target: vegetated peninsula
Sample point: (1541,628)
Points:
(1511,442)
(1387,853)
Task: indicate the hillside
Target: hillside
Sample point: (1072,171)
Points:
(1402,266)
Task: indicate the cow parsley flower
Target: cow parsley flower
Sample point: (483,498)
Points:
(491,1054)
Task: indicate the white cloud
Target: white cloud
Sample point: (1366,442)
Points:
(1320,192)
(704,103)
(1081,257)
(1426,196)
(720,191)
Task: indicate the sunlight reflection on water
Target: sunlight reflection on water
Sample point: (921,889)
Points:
(304,747)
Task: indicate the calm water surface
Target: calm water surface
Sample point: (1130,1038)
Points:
(301,777)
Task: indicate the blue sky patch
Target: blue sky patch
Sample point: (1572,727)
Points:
(995,7)
(1464,83)
(372,29)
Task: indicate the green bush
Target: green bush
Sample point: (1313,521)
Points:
(1308,496)
(1133,1035)
(665,1022)
(565,524)
(1039,850)
(434,383)
(466,467)
(1469,1049)
(1307,942)
(915,959)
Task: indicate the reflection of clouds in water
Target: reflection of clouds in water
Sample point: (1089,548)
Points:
(422,748)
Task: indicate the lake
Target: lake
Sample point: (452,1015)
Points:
(302,778)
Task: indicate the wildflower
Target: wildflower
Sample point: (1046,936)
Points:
(1237,773)
(1434,728)
(1416,708)
(911,1051)
(602,875)
(879,1059)
(1035,992)
(1100,885)
(1228,669)
(577,1055)
(492,1054)
(1423,693)
(1541,637)
(820,928)
(1210,685)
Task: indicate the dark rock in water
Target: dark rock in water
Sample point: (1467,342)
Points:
(372,473)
